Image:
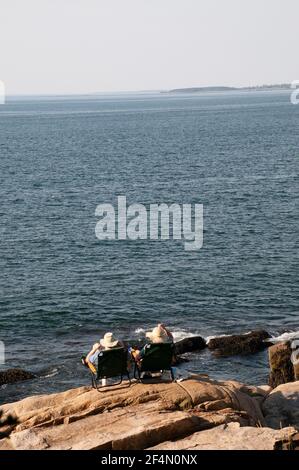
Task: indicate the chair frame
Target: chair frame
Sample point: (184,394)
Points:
(98,376)
(138,369)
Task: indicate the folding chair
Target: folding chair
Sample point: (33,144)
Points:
(158,357)
(111,363)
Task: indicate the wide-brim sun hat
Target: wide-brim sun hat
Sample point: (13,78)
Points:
(108,341)
(158,335)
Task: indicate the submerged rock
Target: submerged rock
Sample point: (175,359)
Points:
(247,343)
(193,343)
(10,376)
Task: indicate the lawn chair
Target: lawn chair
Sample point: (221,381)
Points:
(111,363)
(157,358)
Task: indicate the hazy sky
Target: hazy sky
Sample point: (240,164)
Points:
(83,46)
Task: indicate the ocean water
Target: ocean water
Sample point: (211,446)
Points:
(61,289)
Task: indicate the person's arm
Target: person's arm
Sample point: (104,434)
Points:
(95,348)
(139,354)
(169,334)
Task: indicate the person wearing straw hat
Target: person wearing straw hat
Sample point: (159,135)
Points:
(107,342)
(159,334)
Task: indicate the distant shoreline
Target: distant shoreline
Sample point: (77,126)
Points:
(208,89)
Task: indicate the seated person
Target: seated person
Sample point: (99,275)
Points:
(160,334)
(108,342)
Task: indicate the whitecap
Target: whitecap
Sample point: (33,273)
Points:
(51,373)
(287,336)
(182,334)
(139,331)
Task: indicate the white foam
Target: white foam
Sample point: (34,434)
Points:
(139,331)
(177,334)
(51,374)
(288,336)
(182,334)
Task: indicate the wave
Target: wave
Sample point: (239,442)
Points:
(182,334)
(177,334)
(140,331)
(287,336)
(50,373)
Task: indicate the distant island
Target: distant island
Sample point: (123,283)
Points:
(281,86)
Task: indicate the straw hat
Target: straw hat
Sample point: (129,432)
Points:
(158,335)
(108,341)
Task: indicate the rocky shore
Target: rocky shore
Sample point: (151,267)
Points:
(195,413)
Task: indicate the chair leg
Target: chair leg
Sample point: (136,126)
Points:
(172,374)
(136,370)
(129,378)
(117,383)
(101,388)
(93,381)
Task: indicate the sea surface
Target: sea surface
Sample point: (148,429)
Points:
(61,288)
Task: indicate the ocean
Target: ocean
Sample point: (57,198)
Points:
(61,288)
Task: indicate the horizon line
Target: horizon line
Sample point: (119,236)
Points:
(165,90)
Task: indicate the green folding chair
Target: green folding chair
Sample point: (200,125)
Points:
(157,358)
(111,363)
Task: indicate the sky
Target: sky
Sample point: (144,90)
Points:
(87,46)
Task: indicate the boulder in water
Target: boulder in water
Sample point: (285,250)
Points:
(10,376)
(193,343)
(247,343)
(281,367)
